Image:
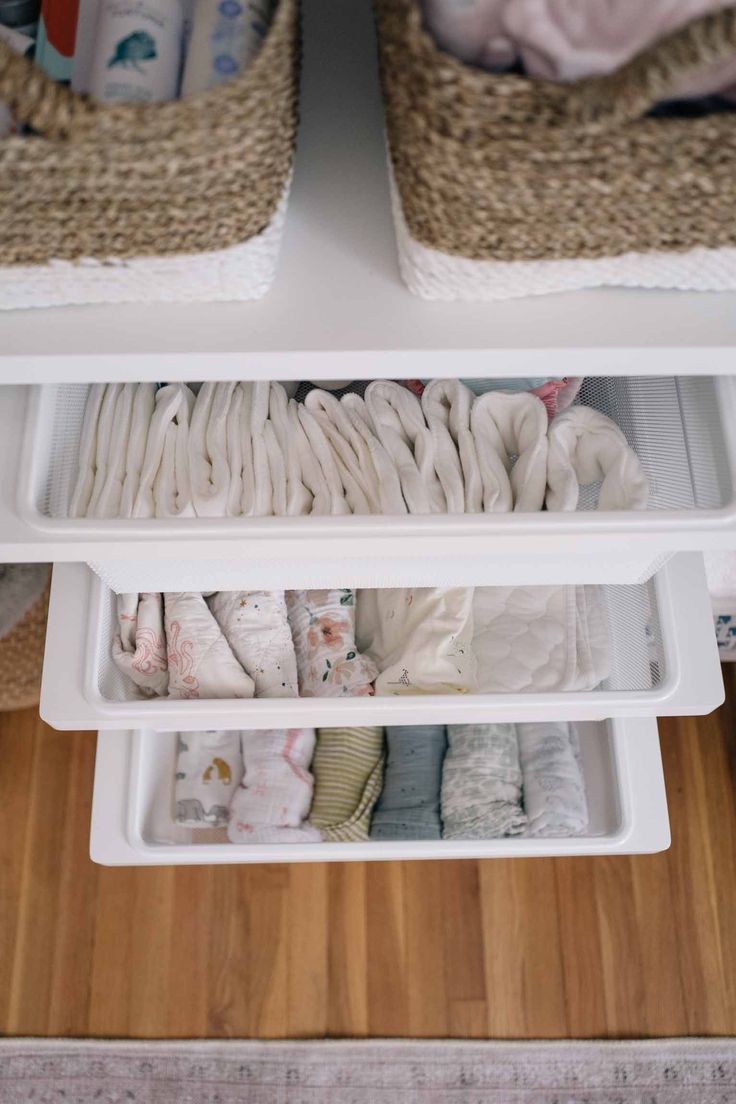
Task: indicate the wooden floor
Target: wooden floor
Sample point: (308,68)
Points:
(560,947)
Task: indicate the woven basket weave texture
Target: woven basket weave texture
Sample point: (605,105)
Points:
(503,167)
(129,180)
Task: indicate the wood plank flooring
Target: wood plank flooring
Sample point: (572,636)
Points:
(641,946)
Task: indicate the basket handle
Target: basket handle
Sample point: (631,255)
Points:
(650,77)
(35,99)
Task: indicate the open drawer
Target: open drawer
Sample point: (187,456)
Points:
(133,821)
(661,651)
(682,428)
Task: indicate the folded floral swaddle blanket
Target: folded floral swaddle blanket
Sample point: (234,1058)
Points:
(209,766)
(409,803)
(272,802)
(256,626)
(329,663)
(348,773)
(419,638)
(481,782)
(554,790)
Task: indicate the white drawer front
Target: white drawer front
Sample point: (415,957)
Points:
(664,661)
(133,824)
(682,428)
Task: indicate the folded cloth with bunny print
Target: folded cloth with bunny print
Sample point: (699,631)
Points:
(420,639)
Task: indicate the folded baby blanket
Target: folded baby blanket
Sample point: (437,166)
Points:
(348,772)
(164,488)
(419,638)
(536,639)
(399,424)
(208,449)
(481,783)
(256,626)
(409,804)
(554,790)
(272,801)
(209,766)
(586,447)
(201,662)
(139,643)
(446,405)
(299,497)
(329,663)
(510,435)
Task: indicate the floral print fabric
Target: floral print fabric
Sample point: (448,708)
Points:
(323,629)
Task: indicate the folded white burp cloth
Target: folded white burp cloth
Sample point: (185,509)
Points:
(209,470)
(164,488)
(299,499)
(349,452)
(586,447)
(139,644)
(481,782)
(256,627)
(390,497)
(419,638)
(109,500)
(272,803)
(201,662)
(106,423)
(399,424)
(311,472)
(535,639)
(554,790)
(336,498)
(329,662)
(510,435)
(209,767)
(87,454)
(446,405)
(140,421)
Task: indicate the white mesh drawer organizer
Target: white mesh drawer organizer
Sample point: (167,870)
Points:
(133,825)
(661,653)
(681,428)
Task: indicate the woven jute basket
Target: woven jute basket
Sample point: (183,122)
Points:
(137,201)
(506,185)
(21,658)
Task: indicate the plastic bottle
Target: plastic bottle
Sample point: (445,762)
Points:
(137,51)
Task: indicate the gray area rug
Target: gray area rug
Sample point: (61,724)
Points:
(401,1071)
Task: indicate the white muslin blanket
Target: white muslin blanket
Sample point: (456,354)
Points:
(510,436)
(87,457)
(164,488)
(273,800)
(367,472)
(299,499)
(201,662)
(256,627)
(399,423)
(554,790)
(139,643)
(113,427)
(209,767)
(209,469)
(536,639)
(586,447)
(481,782)
(447,405)
(420,639)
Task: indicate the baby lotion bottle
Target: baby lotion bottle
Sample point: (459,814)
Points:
(137,51)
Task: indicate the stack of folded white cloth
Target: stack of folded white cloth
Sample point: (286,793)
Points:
(249,450)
